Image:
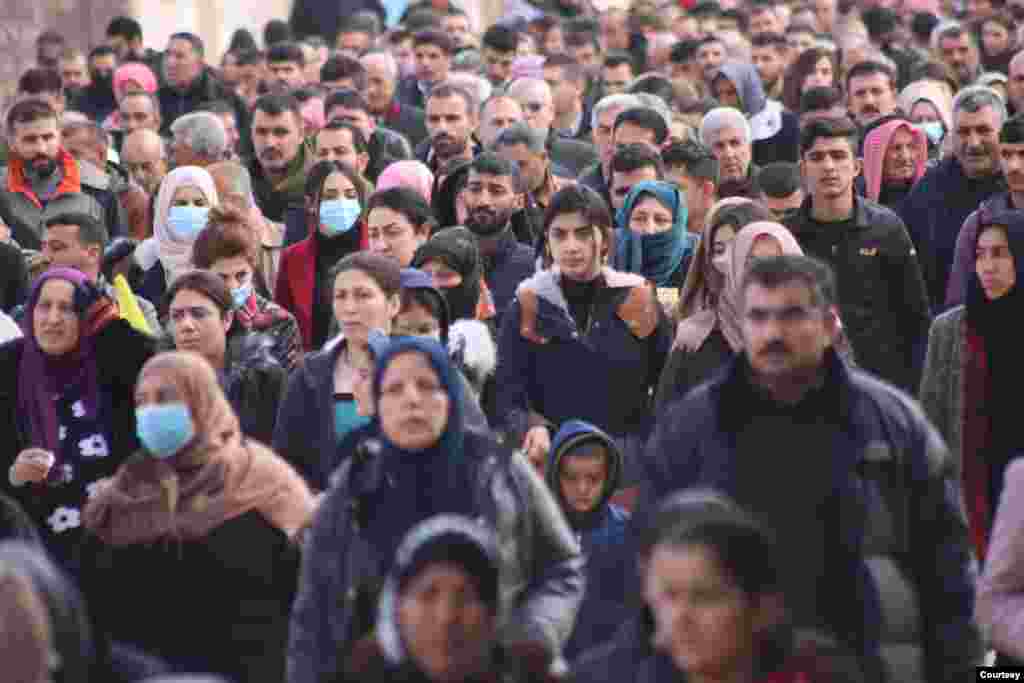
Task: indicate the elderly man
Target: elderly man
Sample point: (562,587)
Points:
(726,132)
(199,139)
(498,113)
(144,156)
(955,46)
(602,118)
(381,82)
(534,96)
(941,201)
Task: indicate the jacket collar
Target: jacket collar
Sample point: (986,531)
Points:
(861,219)
(71,182)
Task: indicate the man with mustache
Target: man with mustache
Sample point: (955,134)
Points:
(97,100)
(854,442)
(494,192)
(278,167)
(452,119)
(882,298)
(956,47)
(940,202)
(871,88)
(42,179)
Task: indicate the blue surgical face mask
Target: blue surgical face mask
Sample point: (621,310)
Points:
(164,428)
(241,294)
(186,222)
(339,215)
(934,130)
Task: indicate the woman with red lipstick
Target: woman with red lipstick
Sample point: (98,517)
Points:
(974,369)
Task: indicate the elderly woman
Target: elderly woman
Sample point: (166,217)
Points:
(929,105)
(65,396)
(437,617)
(653,241)
(182,208)
(208,516)
(424,462)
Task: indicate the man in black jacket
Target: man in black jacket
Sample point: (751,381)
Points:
(189,84)
(381,81)
(882,297)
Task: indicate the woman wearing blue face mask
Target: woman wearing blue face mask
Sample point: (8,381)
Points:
(335,199)
(182,208)
(200,523)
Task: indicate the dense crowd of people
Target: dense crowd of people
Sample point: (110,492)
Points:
(659,342)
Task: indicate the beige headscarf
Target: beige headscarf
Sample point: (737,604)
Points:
(725,315)
(217,478)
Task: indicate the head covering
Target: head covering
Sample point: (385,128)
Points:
(134,71)
(73,655)
(571,435)
(407,173)
(989,78)
(41,377)
(747,81)
(876,144)
(413,278)
(456,248)
(703,282)
(428,482)
(694,331)
(174,253)
(935,92)
(443,538)
(445,192)
(216,478)
(312,112)
(657,256)
(979,309)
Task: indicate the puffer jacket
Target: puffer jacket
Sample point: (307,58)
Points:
(541,574)
(900,538)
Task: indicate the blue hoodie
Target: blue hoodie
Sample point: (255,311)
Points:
(602,534)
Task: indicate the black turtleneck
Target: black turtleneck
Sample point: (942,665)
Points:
(580,296)
(329,250)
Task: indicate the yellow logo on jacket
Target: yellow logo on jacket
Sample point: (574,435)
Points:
(869,251)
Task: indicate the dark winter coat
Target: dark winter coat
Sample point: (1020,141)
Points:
(408,120)
(882,299)
(218,604)
(511,264)
(934,212)
(541,577)
(899,564)
(205,89)
(254,383)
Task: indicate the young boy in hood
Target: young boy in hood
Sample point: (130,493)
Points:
(583,473)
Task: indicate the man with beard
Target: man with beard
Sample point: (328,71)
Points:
(42,179)
(285,67)
(74,72)
(451,121)
(524,146)
(882,298)
(97,100)
(493,194)
(278,168)
(939,204)
(871,88)
(769,56)
(955,47)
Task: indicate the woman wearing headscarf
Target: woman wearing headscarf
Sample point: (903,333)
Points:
(581,340)
(445,560)
(711,336)
(65,394)
(973,369)
(423,462)
(452,258)
(775,132)
(895,158)
(929,105)
(208,517)
(653,241)
(335,203)
(182,207)
(407,173)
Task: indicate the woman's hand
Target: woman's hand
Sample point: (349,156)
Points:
(536,446)
(31,465)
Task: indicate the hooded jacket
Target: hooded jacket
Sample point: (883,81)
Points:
(775,131)
(602,533)
(602,374)
(348,547)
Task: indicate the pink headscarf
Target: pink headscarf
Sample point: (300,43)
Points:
(313,115)
(875,145)
(407,173)
(134,71)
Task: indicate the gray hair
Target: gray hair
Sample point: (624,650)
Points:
(618,101)
(974,98)
(720,118)
(521,134)
(522,86)
(203,133)
(479,88)
(943,29)
(652,101)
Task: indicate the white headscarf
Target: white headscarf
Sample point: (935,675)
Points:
(174,253)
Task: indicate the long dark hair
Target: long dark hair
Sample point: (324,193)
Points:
(314,189)
(798,71)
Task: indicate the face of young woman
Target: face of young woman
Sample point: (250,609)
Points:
(576,246)
(360,305)
(994,263)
